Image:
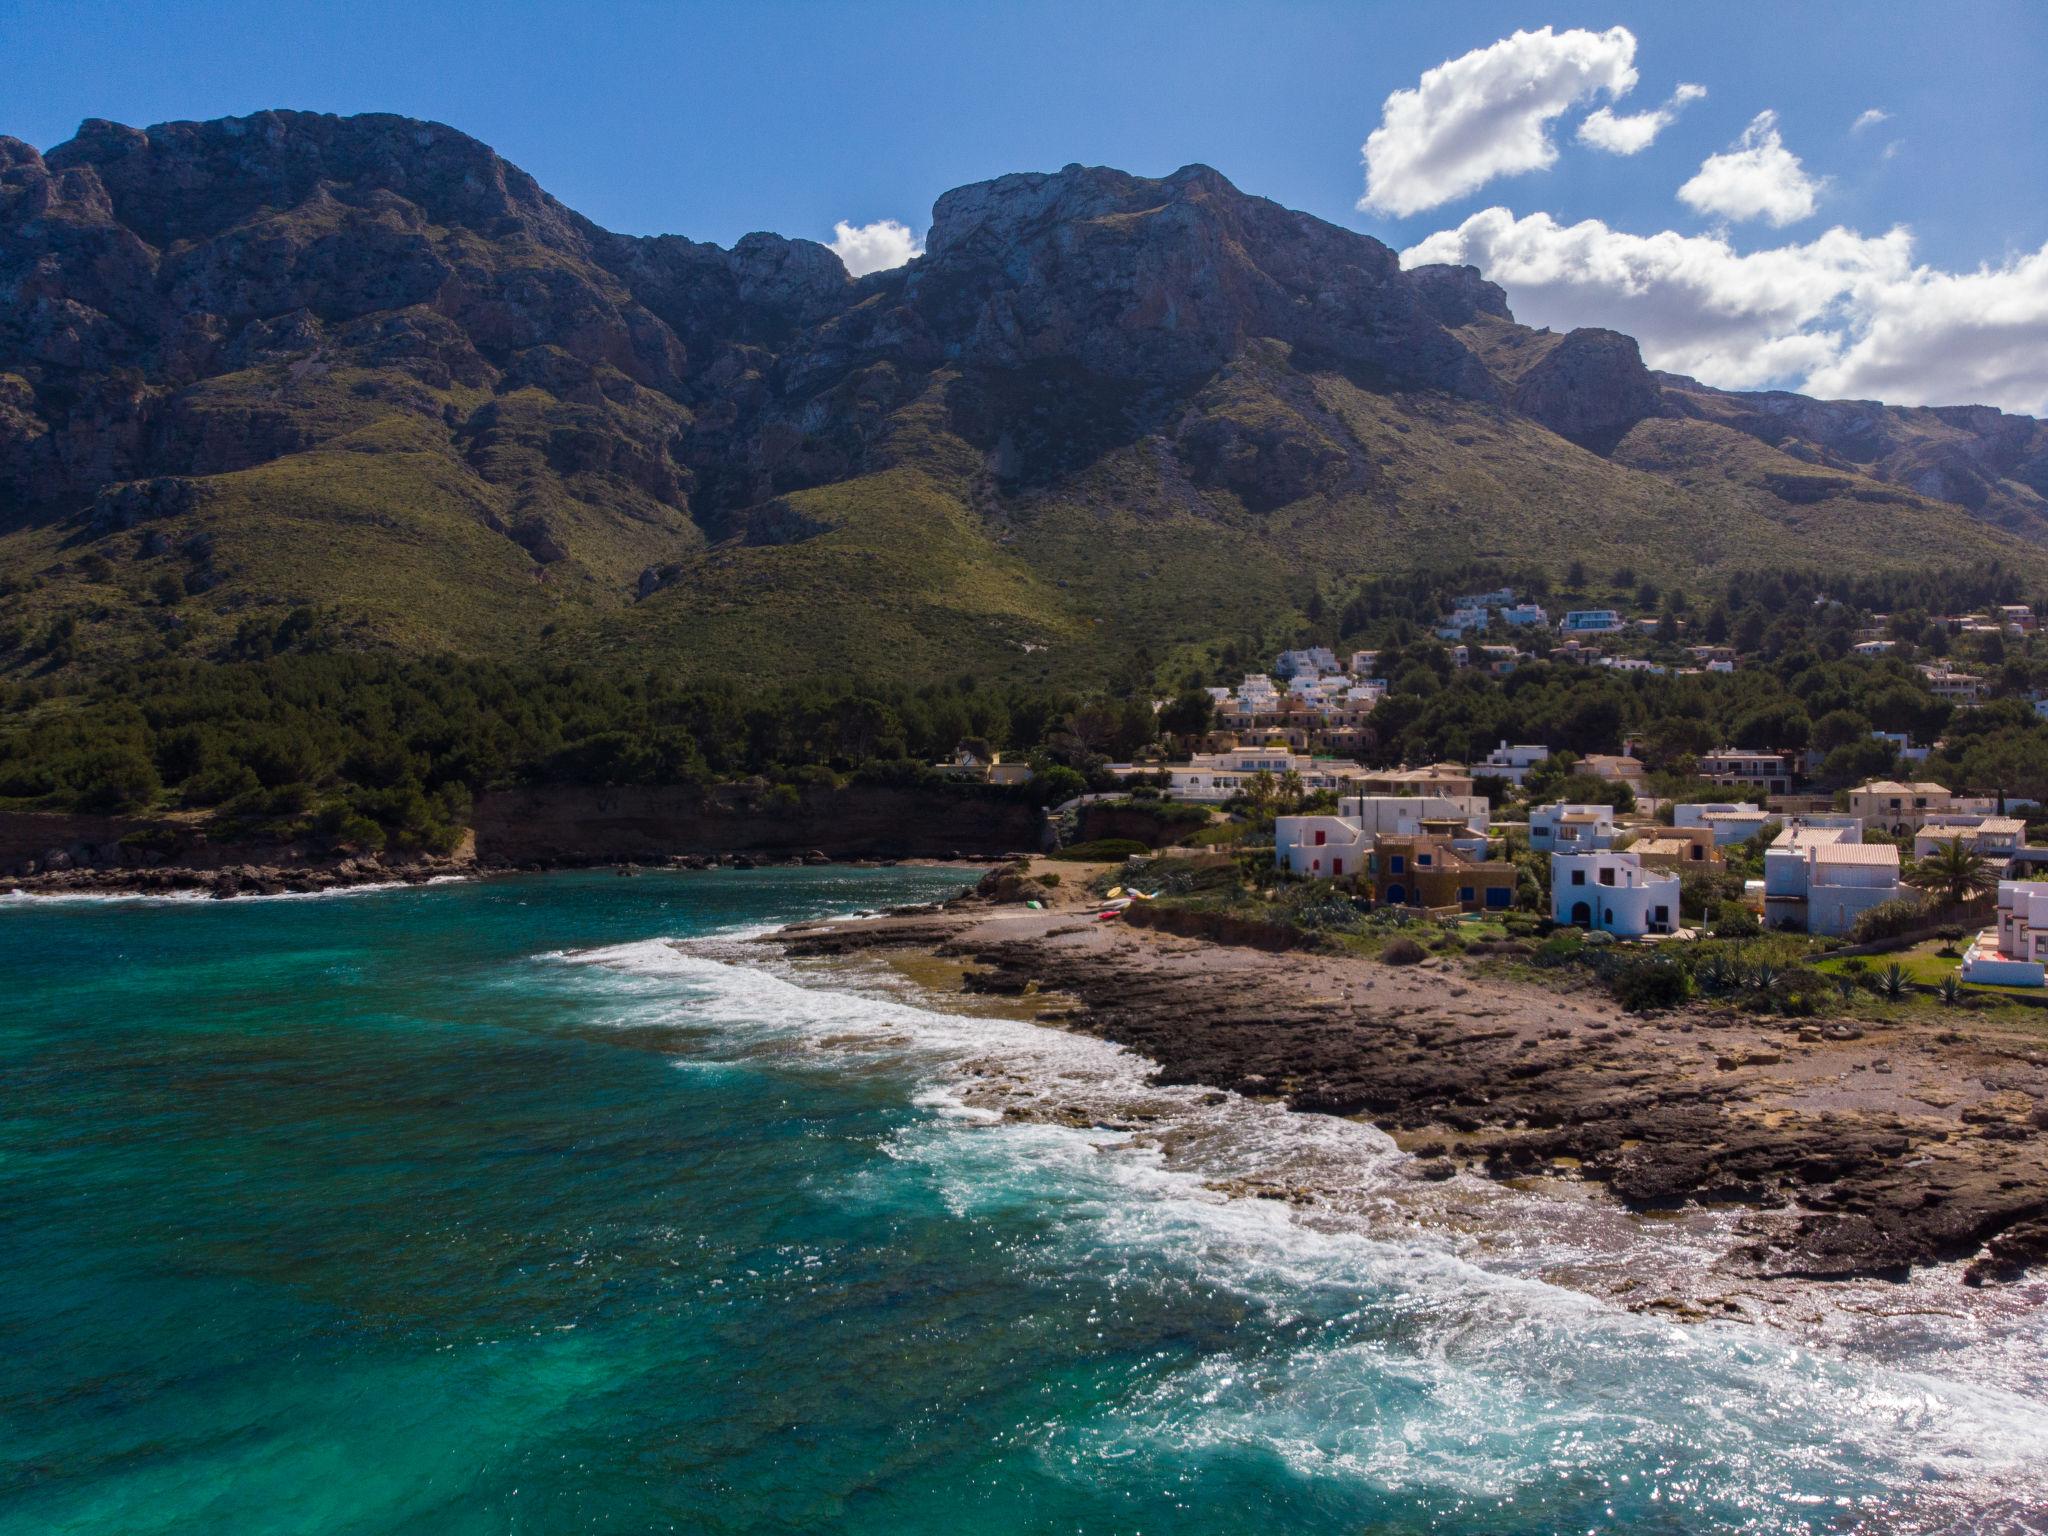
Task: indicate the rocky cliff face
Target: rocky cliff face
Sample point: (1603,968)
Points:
(1974,456)
(1591,388)
(374,332)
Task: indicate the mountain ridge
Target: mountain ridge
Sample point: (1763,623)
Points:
(367,364)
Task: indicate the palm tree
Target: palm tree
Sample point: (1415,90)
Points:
(1259,789)
(1954,868)
(1292,790)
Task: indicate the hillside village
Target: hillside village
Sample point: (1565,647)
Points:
(1737,838)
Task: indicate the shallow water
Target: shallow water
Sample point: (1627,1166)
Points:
(479,1208)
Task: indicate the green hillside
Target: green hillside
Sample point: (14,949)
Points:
(381,376)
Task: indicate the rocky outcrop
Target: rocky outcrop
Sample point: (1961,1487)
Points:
(1591,388)
(1986,460)
(1166,279)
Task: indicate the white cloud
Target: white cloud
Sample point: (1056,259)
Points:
(1759,178)
(1843,315)
(1870,117)
(1487,114)
(875,247)
(1634,133)
(1953,338)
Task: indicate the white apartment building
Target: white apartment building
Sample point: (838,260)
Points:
(1461,620)
(1312,662)
(1570,828)
(1522,615)
(1213,777)
(1612,892)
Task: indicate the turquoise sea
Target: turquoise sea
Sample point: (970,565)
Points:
(479,1208)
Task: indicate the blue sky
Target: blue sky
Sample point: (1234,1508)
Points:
(711,120)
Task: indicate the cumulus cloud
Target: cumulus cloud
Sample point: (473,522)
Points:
(1487,113)
(1695,304)
(1843,315)
(874,247)
(1869,117)
(1951,338)
(1758,178)
(1635,132)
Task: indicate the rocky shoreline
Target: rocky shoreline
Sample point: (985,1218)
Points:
(305,877)
(1852,1152)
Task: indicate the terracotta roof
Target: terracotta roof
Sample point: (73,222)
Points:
(1856,853)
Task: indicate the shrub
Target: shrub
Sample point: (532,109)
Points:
(1888,920)
(1736,922)
(1104,849)
(1650,984)
(1402,951)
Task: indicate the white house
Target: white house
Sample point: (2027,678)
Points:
(1520,615)
(1732,823)
(1957,687)
(1511,763)
(2012,954)
(1499,597)
(1612,892)
(1996,838)
(1330,846)
(1748,768)
(1820,879)
(1593,621)
(1570,828)
(1212,777)
(1902,744)
(1364,663)
(1461,619)
(1313,661)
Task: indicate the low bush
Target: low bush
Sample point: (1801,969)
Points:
(1888,920)
(1736,922)
(1402,951)
(1650,984)
(1104,850)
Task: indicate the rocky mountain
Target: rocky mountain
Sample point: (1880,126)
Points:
(366,364)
